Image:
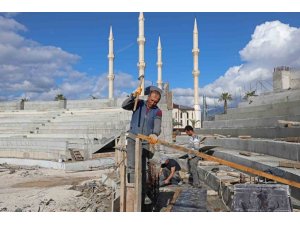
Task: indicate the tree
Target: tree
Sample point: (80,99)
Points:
(225,96)
(24,99)
(248,96)
(194,122)
(93,97)
(59,97)
(175,123)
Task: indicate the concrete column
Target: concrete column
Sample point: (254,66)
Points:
(196,74)
(110,57)
(159,64)
(141,42)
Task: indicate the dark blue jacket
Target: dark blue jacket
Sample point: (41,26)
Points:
(144,121)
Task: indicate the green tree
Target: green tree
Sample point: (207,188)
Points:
(194,122)
(225,96)
(248,96)
(24,99)
(59,97)
(175,123)
(93,97)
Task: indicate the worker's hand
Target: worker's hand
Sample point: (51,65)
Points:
(137,92)
(153,139)
(166,181)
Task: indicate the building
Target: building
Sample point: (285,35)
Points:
(182,116)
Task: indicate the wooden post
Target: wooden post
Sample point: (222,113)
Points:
(123,183)
(138,176)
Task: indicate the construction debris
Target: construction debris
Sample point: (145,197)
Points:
(245,137)
(245,153)
(290,139)
(286,123)
(289,164)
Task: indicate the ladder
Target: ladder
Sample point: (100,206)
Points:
(76,155)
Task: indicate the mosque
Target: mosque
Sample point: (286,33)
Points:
(181,114)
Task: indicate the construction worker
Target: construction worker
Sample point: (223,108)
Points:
(194,143)
(169,172)
(146,120)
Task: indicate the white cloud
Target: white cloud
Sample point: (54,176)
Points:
(273,44)
(39,72)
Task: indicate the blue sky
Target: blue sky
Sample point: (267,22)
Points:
(67,52)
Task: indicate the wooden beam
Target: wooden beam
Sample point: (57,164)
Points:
(225,162)
(122,182)
(105,155)
(175,196)
(137,207)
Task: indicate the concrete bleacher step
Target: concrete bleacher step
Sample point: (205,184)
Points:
(83,131)
(282,149)
(85,125)
(87,129)
(281,109)
(265,107)
(259,132)
(251,122)
(273,97)
(269,164)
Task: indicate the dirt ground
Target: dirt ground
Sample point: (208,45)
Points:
(34,189)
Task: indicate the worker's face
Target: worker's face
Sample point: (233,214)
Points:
(189,132)
(153,99)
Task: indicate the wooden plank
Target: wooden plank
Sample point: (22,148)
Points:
(138,176)
(130,195)
(245,137)
(289,164)
(287,123)
(104,155)
(290,139)
(208,163)
(226,163)
(234,174)
(245,153)
(219,136)
(175,196)
(123,183)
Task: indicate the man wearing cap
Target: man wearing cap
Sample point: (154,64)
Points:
(169,172)
(194,144)
(146,120)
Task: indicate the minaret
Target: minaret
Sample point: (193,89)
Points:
(110,57)
(141,42)
(196,73)
(159,64)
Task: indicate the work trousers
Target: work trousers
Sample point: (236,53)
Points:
(146,154)
(192,169)
(166,173)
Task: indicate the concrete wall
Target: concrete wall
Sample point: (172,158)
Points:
(91,104)
(255,132)
(273,97)
(13,105)
(32,149)
(69,166)
(278,109)
(44,105)
(295,80)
